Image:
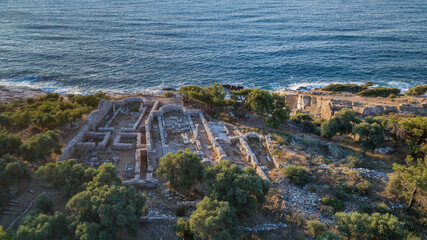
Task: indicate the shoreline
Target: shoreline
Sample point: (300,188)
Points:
(11,93)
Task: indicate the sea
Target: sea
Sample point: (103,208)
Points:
(127,46)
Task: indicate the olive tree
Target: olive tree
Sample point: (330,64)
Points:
(212,220)
(181,169)
(242,188)
(41,146)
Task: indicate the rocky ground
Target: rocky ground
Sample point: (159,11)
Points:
(10,93)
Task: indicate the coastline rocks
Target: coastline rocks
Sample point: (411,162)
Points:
(11,93)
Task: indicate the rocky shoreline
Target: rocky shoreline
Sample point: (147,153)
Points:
(10,93)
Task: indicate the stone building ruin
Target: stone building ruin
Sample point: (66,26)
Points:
(134,133)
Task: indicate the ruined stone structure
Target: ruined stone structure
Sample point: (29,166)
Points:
(325,105)
(98,135)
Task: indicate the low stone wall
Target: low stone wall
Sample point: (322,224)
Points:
(123,146)
(250,155)
(70,148)
(102,145)
(106,129)
(247,151)
(219,151)
(85,145)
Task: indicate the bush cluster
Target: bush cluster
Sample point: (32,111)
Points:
(417,91)
(49,111)
(379,92)
(296,174)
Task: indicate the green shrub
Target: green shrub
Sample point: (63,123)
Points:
(315,227)
(182,229)
(366,207)
(364,187)
(354,162)
(296,174)
(168,94)
(343,88)
(364,226)
(379,92)
(180,211)
(312,189)
(243,189)
(381,207)
(326,210)
(328,235)
(343,191)
(342,123)
(44,204)
(305,121)
(337,204)
(417,91)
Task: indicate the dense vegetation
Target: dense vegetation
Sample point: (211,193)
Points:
(364,90)
(379,92)
(47,112)
(264,104)
(232,193)
(353,88)
(100,208)
(417,91)
(181,169)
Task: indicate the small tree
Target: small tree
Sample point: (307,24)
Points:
(315,227)
(182,229)
(44,204)
(5,234)
(181,169)
(11,171)
(342,123)
(9,144)
(409,179)
(214,220)
(41,146)
(69,176)
(370,132)
(37,226)
(242,188)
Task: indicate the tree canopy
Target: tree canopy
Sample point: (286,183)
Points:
(181,169)
(212,95)
(242,188)
(370,132)
(105,207)
(40,147)
(264,104)
(11,171)
(9,144)
(214,220)
(363,226)
(69,176)
(341,123)
(40,226)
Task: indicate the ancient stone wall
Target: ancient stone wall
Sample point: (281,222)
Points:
(325,106)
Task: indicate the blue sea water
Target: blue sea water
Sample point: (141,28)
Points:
(132,45)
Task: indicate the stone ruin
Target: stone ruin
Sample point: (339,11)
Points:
(99,135)
(325,105)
